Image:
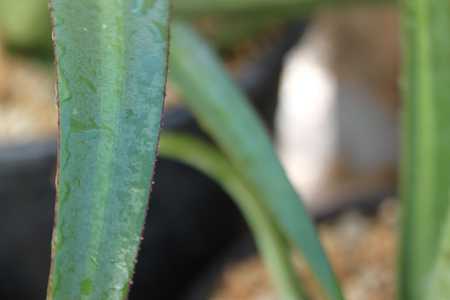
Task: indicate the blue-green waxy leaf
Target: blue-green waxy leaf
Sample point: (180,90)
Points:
(425,182)
(225,113)
(111,64)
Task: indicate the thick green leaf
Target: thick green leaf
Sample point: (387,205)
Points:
(225,113)
(272,245)
(426,147)
(111,64)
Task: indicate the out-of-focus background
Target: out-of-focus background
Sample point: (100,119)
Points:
(326,87)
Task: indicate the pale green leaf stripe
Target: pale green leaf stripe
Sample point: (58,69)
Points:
(225,113)
(273,247)
(425,181)
(111,64)
(439,282)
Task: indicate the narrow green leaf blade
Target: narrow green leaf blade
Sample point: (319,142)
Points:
(225,113)
(426,147)
(111,64)
(272,245)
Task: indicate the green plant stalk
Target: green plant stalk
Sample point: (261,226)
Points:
(426,147)
(271,244)
(111,66)
(224,112)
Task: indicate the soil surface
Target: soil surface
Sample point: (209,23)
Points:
(27,102)
(361,249)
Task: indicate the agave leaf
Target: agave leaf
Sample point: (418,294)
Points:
(271,243)
(111,65)
(224,112)
(426,148)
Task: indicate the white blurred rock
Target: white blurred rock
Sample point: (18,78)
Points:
(324,123)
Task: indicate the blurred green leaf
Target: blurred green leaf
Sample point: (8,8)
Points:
(224,112)
(195,8)
(258,8)
(271,243)
(111,64)
(426,148)
(25,23)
